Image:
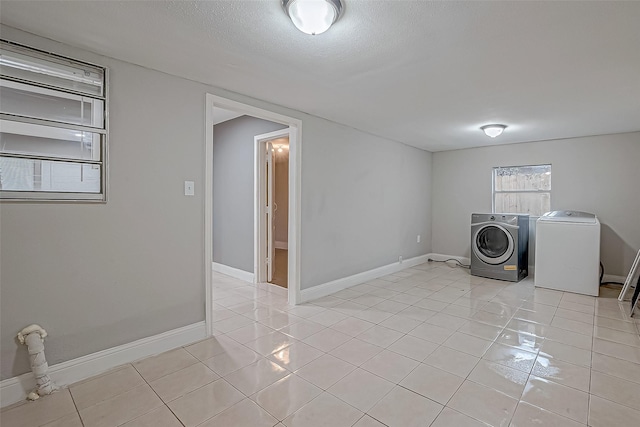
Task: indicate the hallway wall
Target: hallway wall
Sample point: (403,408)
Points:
(233,195)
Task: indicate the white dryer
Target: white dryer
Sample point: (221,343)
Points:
(568,252)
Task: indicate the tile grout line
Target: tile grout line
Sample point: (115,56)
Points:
(506,297)
(154,391)
(75,406)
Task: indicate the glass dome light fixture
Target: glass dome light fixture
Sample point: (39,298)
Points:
(494,130)
(313,16)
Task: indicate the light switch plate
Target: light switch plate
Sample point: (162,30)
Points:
(189,188)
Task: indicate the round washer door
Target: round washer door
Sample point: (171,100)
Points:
(493,244)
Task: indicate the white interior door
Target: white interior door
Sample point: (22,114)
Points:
(270,223)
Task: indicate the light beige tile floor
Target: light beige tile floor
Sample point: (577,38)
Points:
(428,346)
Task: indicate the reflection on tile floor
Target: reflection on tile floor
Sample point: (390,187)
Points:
(428,346)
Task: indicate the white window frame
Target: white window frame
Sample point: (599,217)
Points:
(51,196)
(494,192)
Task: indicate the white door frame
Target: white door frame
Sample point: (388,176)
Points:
(295,173)
(259,184)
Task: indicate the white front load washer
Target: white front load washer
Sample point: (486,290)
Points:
(500,246)
(568,252)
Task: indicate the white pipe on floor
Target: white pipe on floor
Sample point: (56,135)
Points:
(33,337)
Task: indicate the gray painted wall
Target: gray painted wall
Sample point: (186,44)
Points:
(598,174)
(364,201)
(101,275)
(233,198)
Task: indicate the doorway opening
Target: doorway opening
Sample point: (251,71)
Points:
(272,207)
(292,131)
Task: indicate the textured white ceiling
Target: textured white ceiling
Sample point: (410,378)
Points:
(424,73)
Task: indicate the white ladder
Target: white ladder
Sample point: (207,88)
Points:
(629,284)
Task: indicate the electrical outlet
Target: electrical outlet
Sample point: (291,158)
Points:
(418,239)
(400,259)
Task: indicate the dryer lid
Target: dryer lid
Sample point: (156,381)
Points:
(569,216)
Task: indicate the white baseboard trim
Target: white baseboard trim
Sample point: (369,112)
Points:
(233,272)
(282,245)
(15,389)
(442,257)
(329,288)
(614,278)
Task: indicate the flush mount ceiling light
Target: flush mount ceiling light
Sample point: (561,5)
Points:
(493,130)
(313,16)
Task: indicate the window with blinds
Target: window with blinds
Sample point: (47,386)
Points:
(53,127)
(522,189)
